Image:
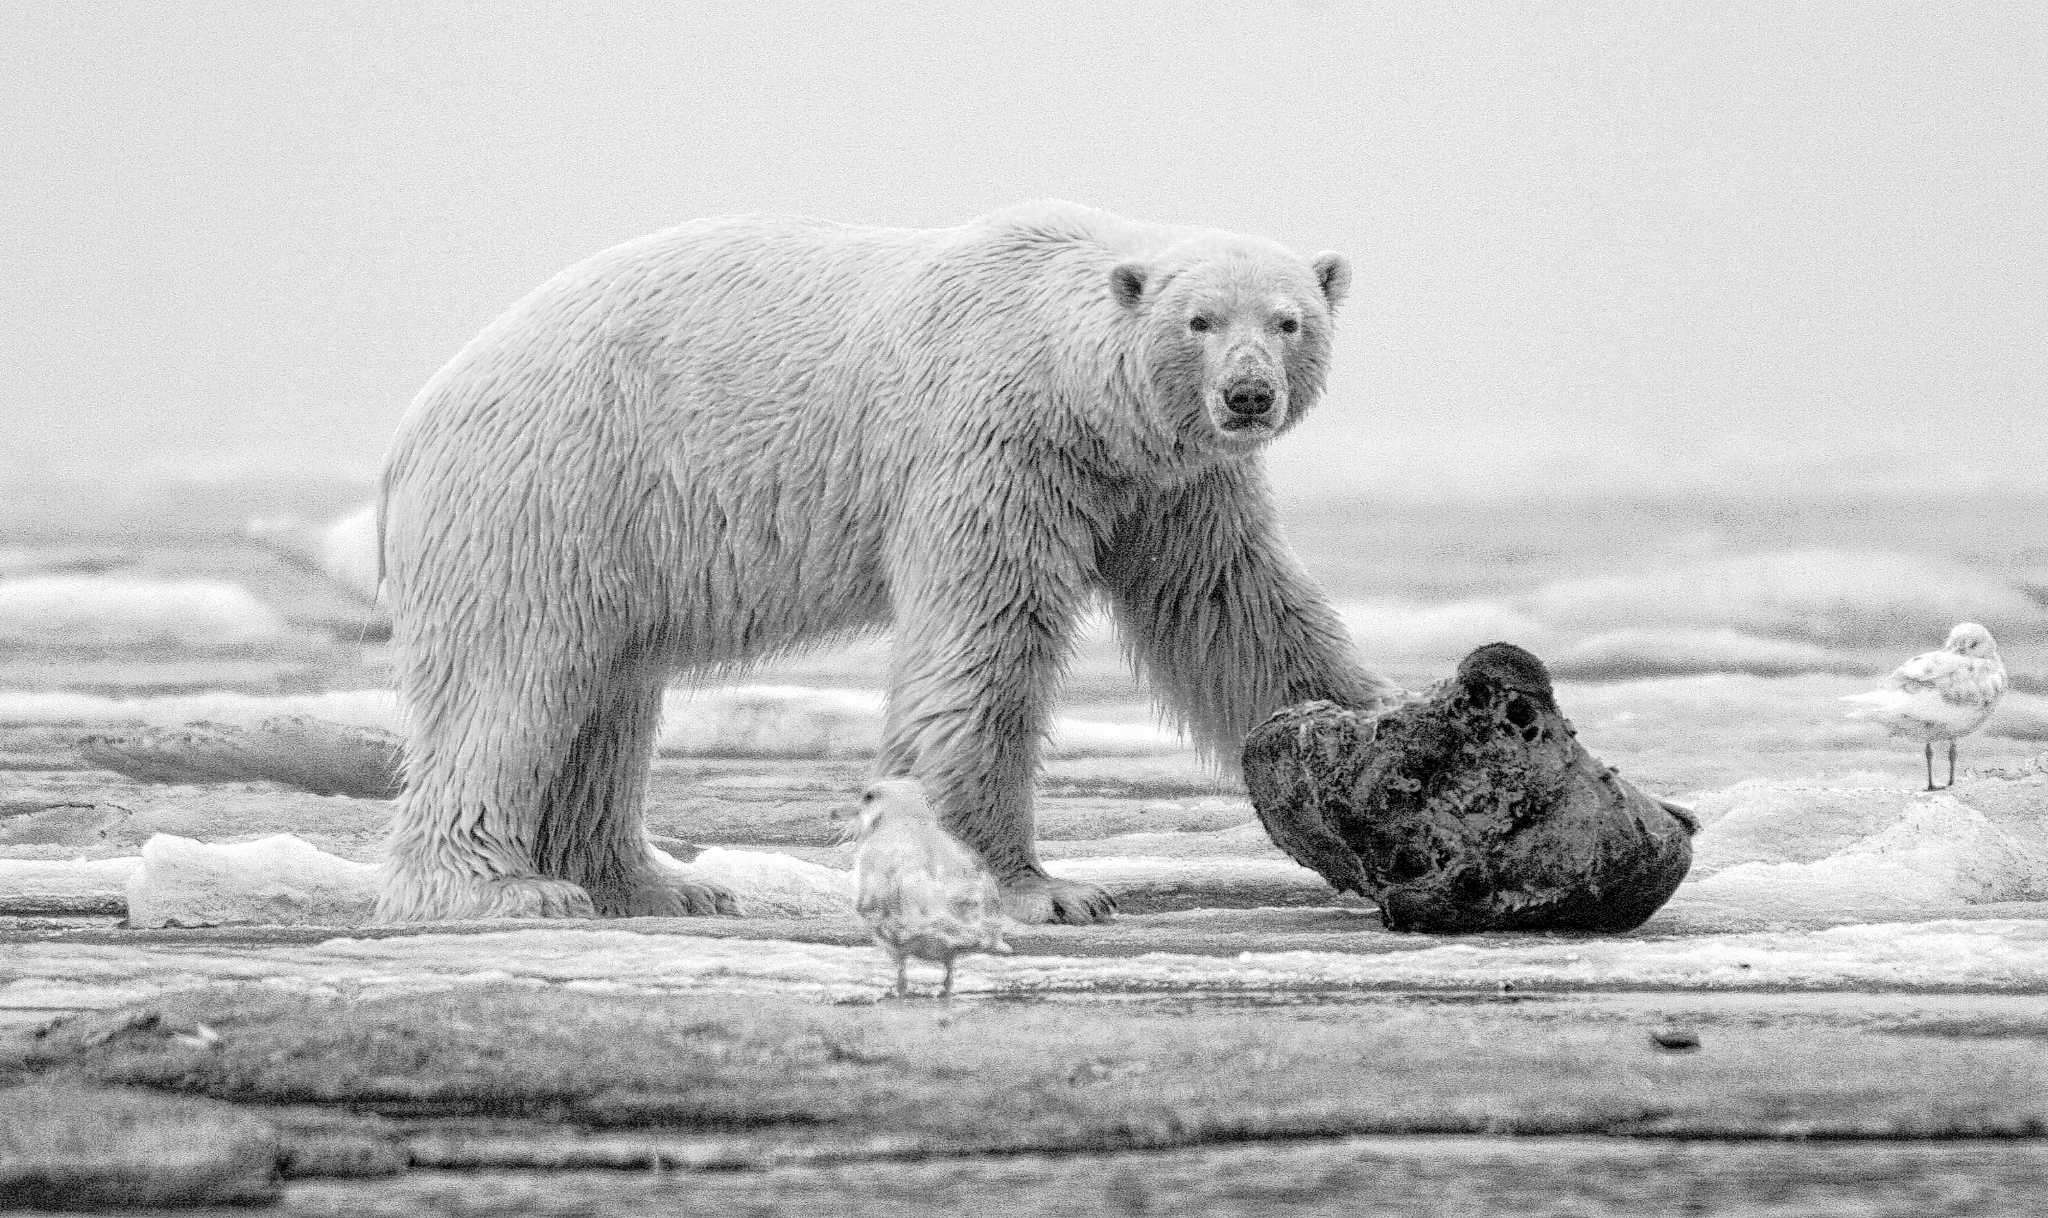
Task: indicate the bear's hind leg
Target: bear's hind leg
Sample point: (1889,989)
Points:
(593,830)
(462,840)
(414,894)
(484,740)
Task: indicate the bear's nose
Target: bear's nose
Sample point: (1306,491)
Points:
(1249,398)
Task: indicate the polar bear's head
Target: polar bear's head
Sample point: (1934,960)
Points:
(1237,334)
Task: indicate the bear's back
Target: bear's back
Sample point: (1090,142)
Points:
(805,273)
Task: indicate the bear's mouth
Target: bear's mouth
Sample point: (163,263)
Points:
(1240,426)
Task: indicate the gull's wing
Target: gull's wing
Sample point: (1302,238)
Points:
(1928,669)
(889,881)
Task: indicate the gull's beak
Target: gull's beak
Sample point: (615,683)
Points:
(846,812)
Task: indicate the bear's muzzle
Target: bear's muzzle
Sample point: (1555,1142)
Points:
(1249,401)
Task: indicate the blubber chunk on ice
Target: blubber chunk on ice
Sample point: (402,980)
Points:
(1472,807)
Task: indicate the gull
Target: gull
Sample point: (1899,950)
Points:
(920,891)
(1939,695)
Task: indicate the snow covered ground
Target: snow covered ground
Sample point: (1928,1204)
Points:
(1708,667)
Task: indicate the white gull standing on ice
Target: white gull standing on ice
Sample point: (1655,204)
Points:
(921,892)
(1939,695)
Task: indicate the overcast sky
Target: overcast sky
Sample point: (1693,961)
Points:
(1769,245)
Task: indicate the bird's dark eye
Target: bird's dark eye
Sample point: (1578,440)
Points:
(1289,325)
(868,797)
(1199,325)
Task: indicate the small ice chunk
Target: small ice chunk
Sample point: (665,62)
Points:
(279,880)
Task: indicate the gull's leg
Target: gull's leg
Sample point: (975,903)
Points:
(1951,763)
(902,977)
(1929,746)
(946,990)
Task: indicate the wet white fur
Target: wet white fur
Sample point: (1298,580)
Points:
(746,435)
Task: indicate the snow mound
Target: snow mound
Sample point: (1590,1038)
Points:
(1760,821)
(768,884)
(276,881)
(1782,849)
(1942,853)
(104,612)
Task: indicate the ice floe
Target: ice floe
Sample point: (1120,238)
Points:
(65,886)
(1957,954)
(1622,654)
(1829,597)
(1768,613)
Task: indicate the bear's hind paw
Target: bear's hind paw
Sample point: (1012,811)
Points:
(411,899)
(1041,898)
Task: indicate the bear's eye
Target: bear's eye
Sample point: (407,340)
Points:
(1289,325)
(1199,324)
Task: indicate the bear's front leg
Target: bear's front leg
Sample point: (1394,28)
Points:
(975,749)
(1220,616)
(976,664)
(660,887)
(1038,897)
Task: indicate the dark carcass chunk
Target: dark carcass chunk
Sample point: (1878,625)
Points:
(1471,807)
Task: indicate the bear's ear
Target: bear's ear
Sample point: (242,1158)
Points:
(1333,276)
(1127,283)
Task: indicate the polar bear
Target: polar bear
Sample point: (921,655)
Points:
(749,434)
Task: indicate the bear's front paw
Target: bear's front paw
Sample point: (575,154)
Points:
(413,897)
(1041,898)
(669,891)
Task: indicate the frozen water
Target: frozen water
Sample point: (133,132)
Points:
(1947,954)
(1775,612)
(69,613)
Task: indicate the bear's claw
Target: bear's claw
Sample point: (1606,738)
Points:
(1042,898)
